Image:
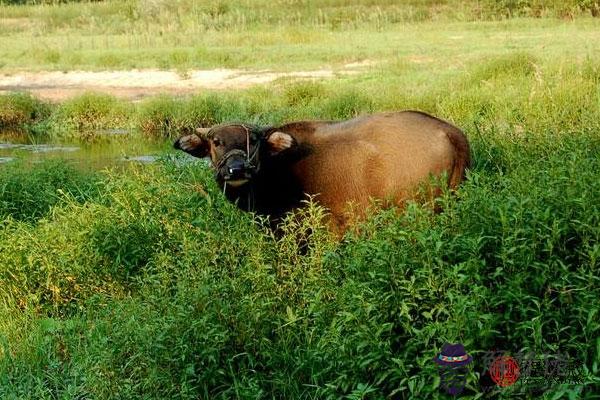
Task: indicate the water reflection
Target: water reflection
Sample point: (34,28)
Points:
(115,151)
(37,148)
(142,159)
(113,131)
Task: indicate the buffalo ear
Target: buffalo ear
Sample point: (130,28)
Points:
(280,141)
(194,145)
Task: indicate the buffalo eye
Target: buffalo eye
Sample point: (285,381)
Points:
(216,142)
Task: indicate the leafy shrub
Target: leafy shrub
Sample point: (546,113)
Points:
(28,192)
(159,116)
(157,287)
(509,8)
(218,307)
(85,114)
(164,116)
(215,108)
(21,110)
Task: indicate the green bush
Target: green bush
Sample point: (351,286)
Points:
(160,116)
(164,116)
(28,192)
(514,93)
(147,283)
(21,110)
(85,114)
(215,108)
(159,287)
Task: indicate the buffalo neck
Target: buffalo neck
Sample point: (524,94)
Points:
(275,189)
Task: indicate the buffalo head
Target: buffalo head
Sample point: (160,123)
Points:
(236,150)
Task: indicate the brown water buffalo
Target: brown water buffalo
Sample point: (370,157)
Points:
(386,156)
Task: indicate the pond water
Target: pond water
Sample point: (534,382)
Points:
(106,152)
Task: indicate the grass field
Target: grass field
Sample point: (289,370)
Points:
(146,283)
(283,34)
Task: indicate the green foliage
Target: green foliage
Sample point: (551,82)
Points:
(538,8)
(85,114)
(302,93)
(515,64)
(159,287)
(515,92)
(164,116)
(215,108)
(146,283)
(235,14)
(160,116)
(348,104)
(28,192)
(21,110)
(187,34)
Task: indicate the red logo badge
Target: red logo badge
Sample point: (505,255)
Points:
(504,371)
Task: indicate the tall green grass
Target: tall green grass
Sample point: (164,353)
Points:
(514,93)
(21,110)
(159,287)
(147,283)
(28,192)
(190,34)
(236,14)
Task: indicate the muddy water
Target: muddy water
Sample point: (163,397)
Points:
(106,152)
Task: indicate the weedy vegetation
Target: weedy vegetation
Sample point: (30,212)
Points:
(267,34)
(22,111)
(145,282)
(28,192)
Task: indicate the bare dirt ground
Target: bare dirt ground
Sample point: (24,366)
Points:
(136,84)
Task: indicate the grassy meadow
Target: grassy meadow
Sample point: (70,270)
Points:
(284,35)
(145,282)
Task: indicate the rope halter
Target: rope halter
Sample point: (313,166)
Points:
(252,162)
